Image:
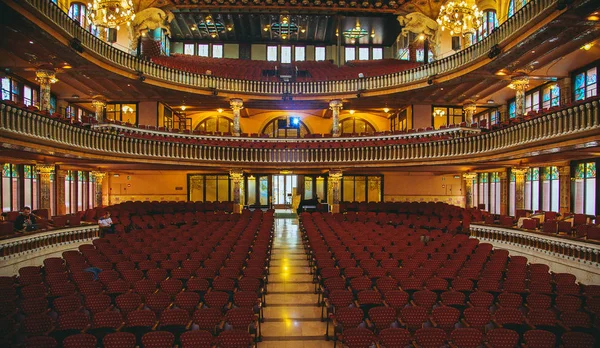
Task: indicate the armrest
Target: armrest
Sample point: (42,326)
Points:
(155,326)
(121,326)
(464,322)
(496,323)
(189,324)
(414,343)
(368,322)
(433,322)
(89,326)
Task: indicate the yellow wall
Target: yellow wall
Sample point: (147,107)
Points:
(423,186)
(146,186)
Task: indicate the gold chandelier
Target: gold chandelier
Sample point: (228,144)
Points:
(460,18)
(110,14)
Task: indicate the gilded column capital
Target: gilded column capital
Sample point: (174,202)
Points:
(44,169)
(237,175)
(469,176)
(236,104)
(519,171)
(99,102)
(99,176)
(519,83)
(46,76)
(336,104)
(335,174)
(564,170)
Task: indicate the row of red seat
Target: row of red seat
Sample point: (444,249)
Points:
(192,277)
(419,280)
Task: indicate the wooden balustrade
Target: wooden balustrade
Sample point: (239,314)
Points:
(561,247)
(31,243)
(19,124)
(510,29)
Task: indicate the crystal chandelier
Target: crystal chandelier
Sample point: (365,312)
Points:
(110,14)
(460,18)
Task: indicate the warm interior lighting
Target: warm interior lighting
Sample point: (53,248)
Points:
(219,110)
(386,110)
(285,20)
(593,18)
(110,14)
(500,73)
(459,18)
(229,28)
(303,30)
(373,33)
(266,28)
(208,19)
(439,113)
(422,37)
(183,107)
(351,112)
(67,66)
(355,33)
(587,46)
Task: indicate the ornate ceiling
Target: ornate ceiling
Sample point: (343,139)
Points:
(333,5)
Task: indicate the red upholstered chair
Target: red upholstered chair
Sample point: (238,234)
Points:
(577,340)
(158,339)
(382,317)
(80,341)
(358,338)
(36,305)
(539,339)
(445,318)
(394,337)
(413,318)
(37,325)
(502,338)
(466,337)
(119,340)
(208,319)
(476,317)
(430,337)
(234,339)
(197,339)
(40,341)
(344,318)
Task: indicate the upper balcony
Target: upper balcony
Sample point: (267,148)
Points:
(512,38)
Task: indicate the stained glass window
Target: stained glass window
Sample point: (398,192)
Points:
(585,188)
(495,193)
(512,109)
(483,193)
(586,84)
(551,96)
(9,187)
(550,189)
(532,189)
(512,194)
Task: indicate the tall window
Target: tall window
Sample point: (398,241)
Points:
(272,53)
(355,125)
(475,192)
(188,49)
(362,188)
(585,188)
(495,193)
(30,96)
(484,190)
(512,109)
(377,53)
(209,188)
(550,189)
(363,53)
(512,194)
(10,179)
(532,189)
(532,101)
(286,127)
(216,124)
(286,54)
(443,116)
(78,12)
(11,90)
(514,6)
(122,112)
(319,53)
(586,84)
(30,186)
(217,51)
(350,53)
(70,192)
(489,22)
(203,50)
(551,96)
(299,53)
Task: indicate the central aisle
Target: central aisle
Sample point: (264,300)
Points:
(292,317)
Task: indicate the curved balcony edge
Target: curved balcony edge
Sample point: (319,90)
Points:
(177,79)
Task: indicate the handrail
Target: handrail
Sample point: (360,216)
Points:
(512,26)
(570,123)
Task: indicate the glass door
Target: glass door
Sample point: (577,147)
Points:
(284,188)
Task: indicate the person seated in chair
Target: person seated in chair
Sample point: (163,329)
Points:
(106,224)
(25,222)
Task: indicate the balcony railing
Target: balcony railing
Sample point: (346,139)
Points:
(515,25)
(570,123)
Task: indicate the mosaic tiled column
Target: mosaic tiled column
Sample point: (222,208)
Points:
(46,77)
(564,177)
(61,208)
(520,85)
(335,106)
(236,105)
(237,179)
(503,176)
(99,105)
(519,187)
(334,182)
(469,177)
(45,171)
(99,178)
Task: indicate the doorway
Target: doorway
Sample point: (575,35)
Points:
(284,189)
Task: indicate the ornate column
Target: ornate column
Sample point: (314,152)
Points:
(520,85)
(335,106)
(236,105)
(564,186)
(237,178)
(519,187)
(99,104)
(565,87)
(503,176)
(61,208)
(46,77)
(334,183)
(469,177)
(469,107)
(99,178)
(45,171)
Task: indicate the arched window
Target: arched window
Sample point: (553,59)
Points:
(286,127)
(78,12)
(216,124)
(356,125)
(489,22)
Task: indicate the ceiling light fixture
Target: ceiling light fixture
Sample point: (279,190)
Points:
(284,28)
(212,27)
(219,110)
(352,112)
(459,18)
(386,110)
(439,113)
(183,107)
(110,14)
(587,46)
(355,33)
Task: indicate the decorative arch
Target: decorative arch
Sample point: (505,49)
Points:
(215,124)
(356,125)
(273,130)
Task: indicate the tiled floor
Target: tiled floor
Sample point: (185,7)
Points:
(292,317)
